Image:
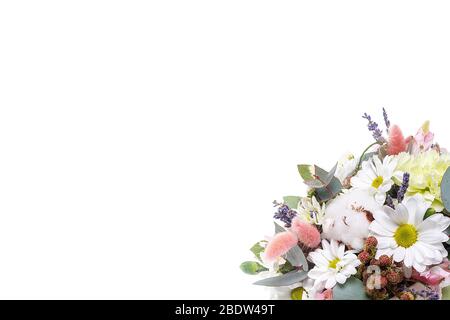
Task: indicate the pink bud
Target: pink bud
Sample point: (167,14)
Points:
(279,245)
(325,295)
(397,143)
(307,233)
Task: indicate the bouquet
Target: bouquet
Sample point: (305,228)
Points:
(372,227)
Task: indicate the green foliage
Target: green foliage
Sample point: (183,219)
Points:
(297,294)
(445,189)
(296,257)
(257,249)
(326,186)
(446,293)
(286,268)
(252,267)
(352,289)
(283,280)
(429,213)
(291,201)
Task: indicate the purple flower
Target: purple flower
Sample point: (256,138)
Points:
(403,187)
(386,120)
(284,214)
(389,202)
(373,127)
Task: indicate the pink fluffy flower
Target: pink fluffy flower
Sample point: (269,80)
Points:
(423,140)
(397,143)
(307,233)
(279,245)
(325,295)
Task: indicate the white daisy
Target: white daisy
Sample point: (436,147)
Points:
(310,210)
(332,265)
(346,166)
(404,234)
(376,177)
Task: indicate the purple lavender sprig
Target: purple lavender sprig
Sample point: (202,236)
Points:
(403,188)
(386,120)
(390,202)
(373,127)
(284,214)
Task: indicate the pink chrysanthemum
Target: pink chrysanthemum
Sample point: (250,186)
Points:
(307,233)
(279,245)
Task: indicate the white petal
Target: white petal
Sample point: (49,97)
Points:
(433,237)
(385,220)
(399,254)
(331,282)
(401,215)
(318,259)
(315,273)
(409,255)
(341,278)
(380,197)
(378,229)
(334,248)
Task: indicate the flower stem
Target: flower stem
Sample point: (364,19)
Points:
(362,155)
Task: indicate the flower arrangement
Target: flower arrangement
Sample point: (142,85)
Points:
(372,227)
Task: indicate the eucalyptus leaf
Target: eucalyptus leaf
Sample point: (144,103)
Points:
(278,228)
(307,173)
(313,176)
(296,257)
(283,280)
(352,289)
(445,189)
(291,201)
(330,191)
(252,267)
(286,268)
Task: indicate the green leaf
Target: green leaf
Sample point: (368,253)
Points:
(429,213)
(286,268)
(291,201)
(445,189)
(297,294)
(330,191)
(278,228)
(283,280)
(252,267)
(296,257)
(352,289)
(314,176)
(307,173)
(446,293)
(257,249)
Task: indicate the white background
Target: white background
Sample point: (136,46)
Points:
(142,142)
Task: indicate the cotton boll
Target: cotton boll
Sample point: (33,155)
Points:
(348,216)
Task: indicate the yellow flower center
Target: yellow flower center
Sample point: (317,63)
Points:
(333,263)
(405,235)
(378,181)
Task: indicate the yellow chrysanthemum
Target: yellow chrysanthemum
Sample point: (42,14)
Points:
(426,171)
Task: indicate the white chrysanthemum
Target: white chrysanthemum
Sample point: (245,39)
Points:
(404,234)
(311,211)
(346,166)
(376,177)
(348,216)
(332,264)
